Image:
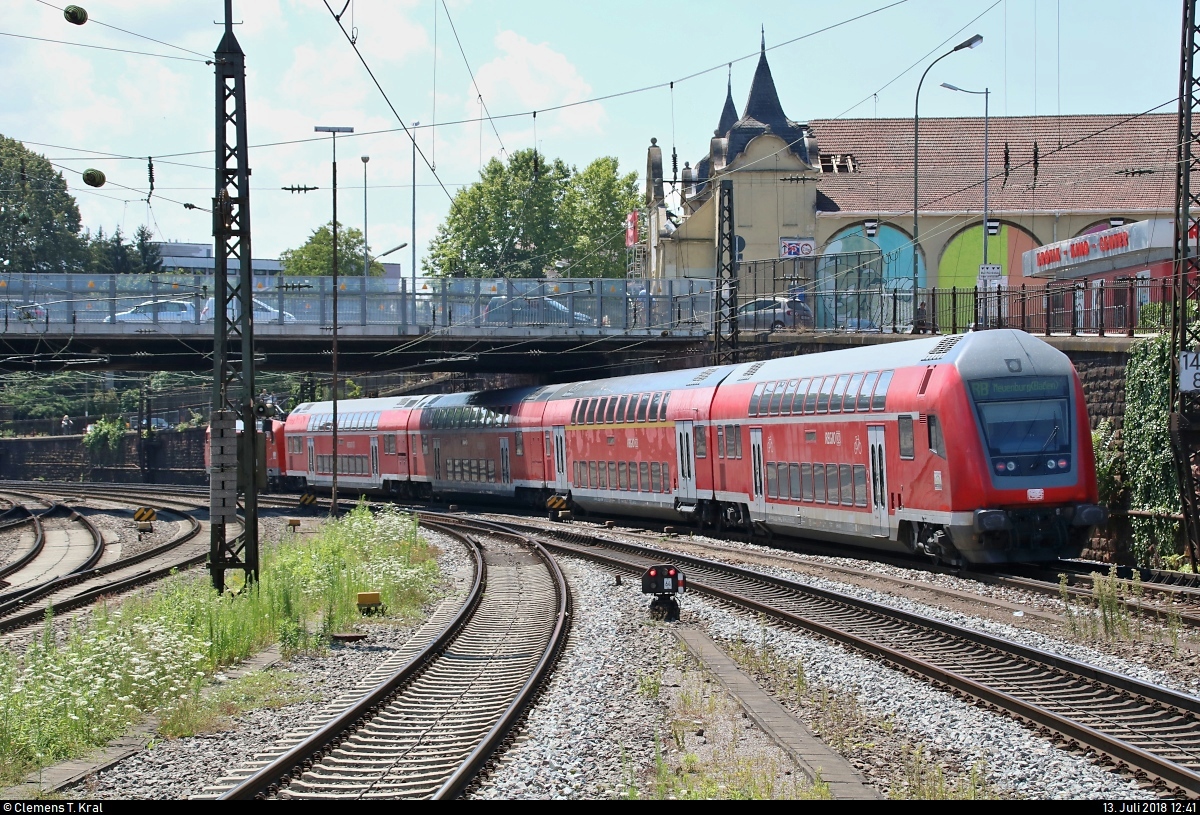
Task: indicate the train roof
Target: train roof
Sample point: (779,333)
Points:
(364,405)
(640,383)
(976,355)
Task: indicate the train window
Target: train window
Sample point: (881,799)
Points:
(764,405)
(612,475)
(424,445)
(653,414)
(756,397)
(847,473)
(491,471)
(908,444)
(937,444)
(643,403)
(644,469)
(772,481)
(518,442)
(785,407)
(831,484)
(794,477)
(864,395)
(806,482)
(880,400)
(662,409)
(601,409)
(851,400)
(823,396)
(737,441)
(720,441)
(593,476)
(575,413)
(622,475)
(819,482)
(389,445)
(797,403)
(620,417)
(810,398)
(603,476)
(860,485)
(655,477)
(839,393)
(591,412)
(666,477)
(777,397)
(610,415)
(700,442)
(575,474)
(631,409)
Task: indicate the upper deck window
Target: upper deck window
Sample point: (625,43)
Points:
(881,389)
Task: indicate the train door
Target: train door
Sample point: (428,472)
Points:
(560,458)
(312,459)
(879,493)
(375,460)
(437,459)
(758,500)
(505,473)
(685,462)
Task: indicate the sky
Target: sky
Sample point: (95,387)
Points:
(436,59)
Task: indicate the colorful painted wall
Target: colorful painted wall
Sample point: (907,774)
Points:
(960,261)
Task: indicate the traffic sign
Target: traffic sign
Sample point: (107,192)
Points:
(144,514)
(990,271)
(1189,371)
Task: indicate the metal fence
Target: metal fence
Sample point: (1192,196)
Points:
(1127,307)
(439,303)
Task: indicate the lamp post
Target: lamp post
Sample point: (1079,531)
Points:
(366,268)
(413,238)
(971,43)
(334,457)
(985,93)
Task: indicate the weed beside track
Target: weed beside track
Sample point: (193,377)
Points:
(152,654)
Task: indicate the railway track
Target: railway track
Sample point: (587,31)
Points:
(28,605)
(1153,731)
(57,550)
(427,726)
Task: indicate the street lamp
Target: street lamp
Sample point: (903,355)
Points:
(334,131)
(366,269)
(414,219)
(971,43)
(986,225)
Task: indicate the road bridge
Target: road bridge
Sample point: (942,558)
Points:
(165,322)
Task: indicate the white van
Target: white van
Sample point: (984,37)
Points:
(262,312)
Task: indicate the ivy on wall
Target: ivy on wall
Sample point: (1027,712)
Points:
(1149,463)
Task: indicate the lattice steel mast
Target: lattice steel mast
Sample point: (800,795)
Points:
(233,330)
(725,329)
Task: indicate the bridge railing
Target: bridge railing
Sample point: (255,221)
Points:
(1127,307)
(55,300)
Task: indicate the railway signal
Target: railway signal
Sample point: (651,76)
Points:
(145,514)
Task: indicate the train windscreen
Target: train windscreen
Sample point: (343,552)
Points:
(1024,417)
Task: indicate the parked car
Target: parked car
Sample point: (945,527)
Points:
(155,423)
(167,311)
(774,313)
(27,312)
(262,312)
(531,311)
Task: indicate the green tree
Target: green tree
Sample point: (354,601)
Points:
(39,219)
(148,254)
(111,254)
(532,214)
(510,223)
(315,257)
(597,203)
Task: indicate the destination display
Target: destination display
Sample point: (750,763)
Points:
(1019,387)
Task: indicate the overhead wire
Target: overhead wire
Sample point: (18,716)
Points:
(99,47)
(94,21)
(474,81)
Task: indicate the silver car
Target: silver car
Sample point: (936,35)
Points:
(166,311)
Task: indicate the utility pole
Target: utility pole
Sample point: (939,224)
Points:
(233,328)
(725,329)
(1185,333)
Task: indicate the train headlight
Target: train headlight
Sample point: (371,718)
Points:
(1050,465)
(991,520)
(1011,466)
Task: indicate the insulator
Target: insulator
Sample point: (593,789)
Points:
(93,178)
(75,14)
(674,164)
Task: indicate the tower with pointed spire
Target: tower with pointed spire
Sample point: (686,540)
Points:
(773,163)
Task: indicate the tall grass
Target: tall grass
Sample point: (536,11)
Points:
(153,652)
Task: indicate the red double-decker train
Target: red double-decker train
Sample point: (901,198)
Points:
(970,448)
